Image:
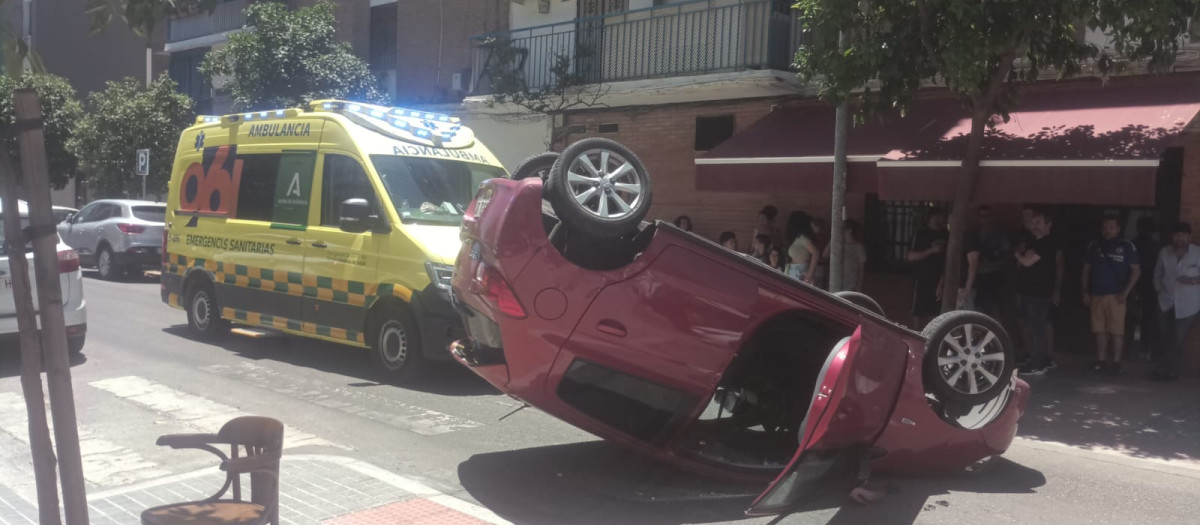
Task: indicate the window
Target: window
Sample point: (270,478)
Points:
(150,213)
(711,131)
(609,128)
(433,191)
(88,212)
(343,179)
(633,405)
(256,192)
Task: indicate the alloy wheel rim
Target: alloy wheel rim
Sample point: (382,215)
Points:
(105,263)
(971,359)
(200,311)
(605,184)
(393,342)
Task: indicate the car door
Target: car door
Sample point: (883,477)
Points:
(84,236)
(850,404)
(342,263)
(68,230)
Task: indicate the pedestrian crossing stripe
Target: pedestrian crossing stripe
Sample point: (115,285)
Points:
(340,335)
(354,293)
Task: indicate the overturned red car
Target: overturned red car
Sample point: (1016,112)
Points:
(667,343)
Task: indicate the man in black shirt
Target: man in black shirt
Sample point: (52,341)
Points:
(928,262)
(1039,288)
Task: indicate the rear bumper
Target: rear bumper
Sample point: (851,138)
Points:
(139,257)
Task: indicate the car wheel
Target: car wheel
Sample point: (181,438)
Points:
(75,344)
(968,357)
(396,344)
(599,188)
(861,300)
(202,314)
(536,166)
(106,265)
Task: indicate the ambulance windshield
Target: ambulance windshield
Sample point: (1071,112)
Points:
(432,191)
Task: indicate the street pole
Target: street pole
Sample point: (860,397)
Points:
(143,187)
(837,238)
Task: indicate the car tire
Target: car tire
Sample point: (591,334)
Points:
(621,181)
(535,166)
(861,300)
(75,344)
(106,264)
(203,313)
(968,358)
(396,345)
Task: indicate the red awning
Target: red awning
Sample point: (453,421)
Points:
(1077,143)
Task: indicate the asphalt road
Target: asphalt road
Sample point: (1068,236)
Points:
(142,376)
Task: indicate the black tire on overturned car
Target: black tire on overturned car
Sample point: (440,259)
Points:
(969,358)
(620,181)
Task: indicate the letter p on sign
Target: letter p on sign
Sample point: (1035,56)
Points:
(143,162)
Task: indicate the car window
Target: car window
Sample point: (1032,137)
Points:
(434,191)
(343,178)
(150,213)
(89,211)
(112,211)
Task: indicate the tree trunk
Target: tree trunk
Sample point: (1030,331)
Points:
(40,447)
(962,203)
(837,237)
(31,139)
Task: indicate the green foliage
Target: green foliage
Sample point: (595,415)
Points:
(60,111)
(970,45)
(566,90)
(290,58)
(123,118)
(141,15)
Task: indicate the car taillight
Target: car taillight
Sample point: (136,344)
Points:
(497,292)
(68,261)
(130,228)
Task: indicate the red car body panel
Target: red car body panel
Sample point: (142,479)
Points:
(677,316)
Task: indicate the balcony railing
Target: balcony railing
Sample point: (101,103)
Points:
(228,15)
(679,39)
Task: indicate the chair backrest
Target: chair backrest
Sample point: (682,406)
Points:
(257,436)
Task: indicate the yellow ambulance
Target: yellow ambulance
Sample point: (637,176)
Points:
(337,221)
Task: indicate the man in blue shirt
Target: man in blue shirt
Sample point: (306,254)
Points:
(1110,271)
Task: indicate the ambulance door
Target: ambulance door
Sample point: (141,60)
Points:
(343,262)
(260,248)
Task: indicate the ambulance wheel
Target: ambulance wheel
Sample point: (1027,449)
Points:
(600,188)
(536,166)
(968,358)
(204,318)
(396,344)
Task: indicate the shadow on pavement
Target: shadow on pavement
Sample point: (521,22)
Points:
(131,278)
(1141,418)
(600,483)
(443,378)
(10,358)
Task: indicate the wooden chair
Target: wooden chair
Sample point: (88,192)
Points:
(262,440)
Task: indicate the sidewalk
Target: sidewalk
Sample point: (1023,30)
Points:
(314,490)
(1128,414)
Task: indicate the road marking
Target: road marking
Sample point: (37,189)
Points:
(404,416)
(104,463)
(192,410)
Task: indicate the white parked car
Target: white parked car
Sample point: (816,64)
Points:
(117,236)
(70,278)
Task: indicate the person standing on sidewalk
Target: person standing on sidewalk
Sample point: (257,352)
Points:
(1039,288)
(928,263)
(1110,271)
(802,251)
(1177,280)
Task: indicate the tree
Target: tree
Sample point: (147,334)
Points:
(981,51)
(123,118)
(60,110)
(290,58)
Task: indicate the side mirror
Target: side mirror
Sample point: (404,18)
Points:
(355,216)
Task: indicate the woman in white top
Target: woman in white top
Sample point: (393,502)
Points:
(803,254)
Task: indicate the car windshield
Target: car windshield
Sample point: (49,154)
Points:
(432,191)
(150,213)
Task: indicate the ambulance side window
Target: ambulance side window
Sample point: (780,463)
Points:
(256,193)
(343,179)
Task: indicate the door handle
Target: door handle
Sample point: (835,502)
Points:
(611,327)
(320,244)
(294,242)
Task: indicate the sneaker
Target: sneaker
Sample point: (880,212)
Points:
(1030,370)
(1114,369)
(1100,366)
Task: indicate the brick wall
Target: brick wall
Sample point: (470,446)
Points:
(353,22)
(663,137)
(1189,211)
(433,43)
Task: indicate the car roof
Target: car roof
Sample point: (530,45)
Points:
(129,202)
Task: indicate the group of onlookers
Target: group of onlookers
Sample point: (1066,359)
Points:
(801,250)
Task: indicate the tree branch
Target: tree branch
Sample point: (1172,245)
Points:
(926,32)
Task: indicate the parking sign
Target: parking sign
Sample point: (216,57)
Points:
(143,162)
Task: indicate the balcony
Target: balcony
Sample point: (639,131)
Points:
(678,39)
(228,15)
